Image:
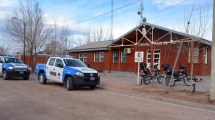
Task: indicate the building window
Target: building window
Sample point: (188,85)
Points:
(115,56)
(123,57)
(205,53)
(96,57)
(80,57)
(85,57)
(195,55)
(101,57)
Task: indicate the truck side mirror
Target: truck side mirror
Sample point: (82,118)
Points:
(1,61)
(60,65)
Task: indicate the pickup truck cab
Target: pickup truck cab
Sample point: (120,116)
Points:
(68,71)
(12,66)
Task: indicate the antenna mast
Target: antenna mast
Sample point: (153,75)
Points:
(140,13)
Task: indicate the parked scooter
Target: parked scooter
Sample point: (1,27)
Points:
(147,74)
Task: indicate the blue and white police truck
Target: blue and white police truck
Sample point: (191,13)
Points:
(11,66)
(68,71)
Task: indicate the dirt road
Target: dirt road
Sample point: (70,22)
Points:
(28,100)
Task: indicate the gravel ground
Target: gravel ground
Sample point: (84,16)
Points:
(126,82)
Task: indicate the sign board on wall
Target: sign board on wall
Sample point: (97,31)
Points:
(138,57)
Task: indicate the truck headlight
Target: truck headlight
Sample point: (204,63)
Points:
(80,74)
(10,68)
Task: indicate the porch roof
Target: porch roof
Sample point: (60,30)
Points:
(202,40)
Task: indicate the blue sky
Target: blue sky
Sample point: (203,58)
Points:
(166,13)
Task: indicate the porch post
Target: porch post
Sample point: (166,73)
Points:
(152,56)
(110,59)
(135,64)
(152,49)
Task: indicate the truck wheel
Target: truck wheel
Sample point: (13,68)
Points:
(42,78)
(26,78)
(5,76)
(69,83)
(92,87)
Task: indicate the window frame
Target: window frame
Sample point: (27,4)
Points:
(101,57)
(195,55)
(123,55)
(205,54)
(115,56)
(80,57)
(96,56)
(84,57)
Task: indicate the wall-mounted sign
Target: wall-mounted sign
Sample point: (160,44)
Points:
(138,57)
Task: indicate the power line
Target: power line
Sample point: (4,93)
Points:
(104,13)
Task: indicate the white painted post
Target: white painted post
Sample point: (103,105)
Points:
(212,89)
(138,58)
(138,74)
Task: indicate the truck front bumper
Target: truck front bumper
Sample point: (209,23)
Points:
(18,73)
(86,81)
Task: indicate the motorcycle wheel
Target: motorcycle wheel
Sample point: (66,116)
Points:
(146,80)
(169,83)
(188,81)
(160,79)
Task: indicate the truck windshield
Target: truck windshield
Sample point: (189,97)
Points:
(12,60)
(74,63)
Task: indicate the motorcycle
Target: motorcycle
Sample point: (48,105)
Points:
(178,75)
(147,75)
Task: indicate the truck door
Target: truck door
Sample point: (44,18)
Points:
(1,63)
(50,69)
(59,70)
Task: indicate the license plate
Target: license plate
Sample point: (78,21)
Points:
(21,72)
(92,78)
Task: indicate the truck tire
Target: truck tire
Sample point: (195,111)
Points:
(69,83)
(92,87)
(26,78)
(42,78)
(4,75)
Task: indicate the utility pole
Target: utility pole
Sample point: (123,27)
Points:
(212,90)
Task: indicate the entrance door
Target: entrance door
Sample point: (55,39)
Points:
(156,58)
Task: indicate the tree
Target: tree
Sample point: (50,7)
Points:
(37,33)
(91,35)
(196,27)
(60,41)
(3,50)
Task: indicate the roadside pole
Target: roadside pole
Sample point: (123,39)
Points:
(138,74)
(138,58)
(212,89)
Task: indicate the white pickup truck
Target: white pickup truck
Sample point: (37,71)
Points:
(69,71)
